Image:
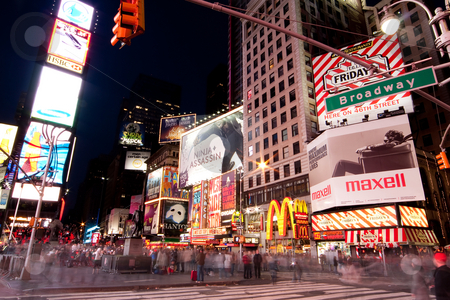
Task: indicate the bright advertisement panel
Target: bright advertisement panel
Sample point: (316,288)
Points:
(169,184)
(76,12)
(334,74)
(175,217)
(135,160)
(132,134)
(153,186)
(135,202)
(228,197)
(212,149)
(368,163)
(413,216)
(56,97)
(28,192)
(7,137)
(196,206)
(36,149)
(69,42)
(205,202)
(354,219)
(4,195)
(171,128)
(151,218)
(215,199)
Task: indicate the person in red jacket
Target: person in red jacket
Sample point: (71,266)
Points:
(247,266)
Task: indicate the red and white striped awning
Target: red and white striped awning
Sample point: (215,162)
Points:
(421,237)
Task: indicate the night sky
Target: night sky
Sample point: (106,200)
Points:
(182,44)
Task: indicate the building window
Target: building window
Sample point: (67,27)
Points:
(284,135)
(263,57)
(255,39)
(297,167)
(279,56)
(272,92)
(250,182)
(266,158)
(421,43)
(266,143)
(249,81)
(249,122)
(440,118)
(250,136)
(274,122)
(276,174)
(271,64)
(258,179)
(267,176)
(294,129)
(283,118)
(285,152)
(249,69)
(257,147)
(281,86)
(261,32)
(274,139)
(249,56)
(256,86)
(255,63)
(291,79)
(291,95)
(296,148)
(424,55)
(280,71)
(312,11)
(279,43)
(286,8)
(265,127)
(404,37)
(257,105)
(270,51)
(417,31)
(255,51)
(257,117)
(273,107)
(286,170)
(248,44)
(411,5)
(427,140)
(275,156)
(423,124)
(263,70)
(264,98)
(407,51)
(293,112)
(250,150)
(313,126)
(330,10)
(264,111)
(312,109)
(250,165)
(308,61)
(269,38)
(288,49)
(414,17)
(309,76)
(290,64)
(271,77)
(310,92)
(263,84)
(282,101)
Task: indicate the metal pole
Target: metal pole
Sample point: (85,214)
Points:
(25,275)
(384,262)
(219,8)
(15,213)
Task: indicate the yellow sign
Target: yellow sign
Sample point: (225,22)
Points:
(287,210)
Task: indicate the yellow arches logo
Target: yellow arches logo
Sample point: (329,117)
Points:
(289,210)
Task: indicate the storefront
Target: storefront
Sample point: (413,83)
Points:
(334,241)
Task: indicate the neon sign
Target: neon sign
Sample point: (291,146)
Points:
(284,212)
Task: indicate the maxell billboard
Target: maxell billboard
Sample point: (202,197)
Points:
(368,163)
(211,149)
(172,128)
(334,74)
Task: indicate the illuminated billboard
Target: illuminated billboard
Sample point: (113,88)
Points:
(151,218)
(368,163)
(132,134)
(175,217)
(135,160)
(56,97)
(153,186)
(228,205)
(28,192)
(164,183)
(69,42)
(211,149)
(215,199)
(334,74)
(7,137)
(171,128)
(36,148)
(76,12)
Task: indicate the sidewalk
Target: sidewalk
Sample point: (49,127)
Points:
(80,279)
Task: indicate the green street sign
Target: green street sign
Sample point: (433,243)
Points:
(395,85)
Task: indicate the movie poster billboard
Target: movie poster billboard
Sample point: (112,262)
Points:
(215,199)
(205,204)
(151,218)
(56,97)
(153,186)
(135,160)
(36,149)
(211,149)
(76,12)
(175,217)
(171,128)
(135,202)
(132,134)
(364,164)
(228,197)
(7,137)
(334,74)
(196,206)
(169,184)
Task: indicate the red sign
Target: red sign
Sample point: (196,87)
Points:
(329,235)
(95,238)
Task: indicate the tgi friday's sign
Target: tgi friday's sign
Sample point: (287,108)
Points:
(334,74)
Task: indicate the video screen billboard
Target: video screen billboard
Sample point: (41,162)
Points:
(56,97)
(211,149)
(151,218)
(28,192)
(171,128)
(367,163)
(196,206)
(169,184)
(69,42)
(153,186)
(132,134)
(135,160)
(214,204)
(36,149)
(228,197)
(334,74)
(76,12)
(7,138)
(175,217)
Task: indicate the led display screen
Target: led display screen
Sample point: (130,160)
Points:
(172,128)
(36,149)
(56,97)
(76,12)
(29,192)
(69,42)
(7,137)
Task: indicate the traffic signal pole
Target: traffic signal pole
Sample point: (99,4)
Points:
(372,69)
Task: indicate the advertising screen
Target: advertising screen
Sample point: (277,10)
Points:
(151,218)
(76,12)
(228,197)
(334,74)
(172,128)
(211,149)
(132,134)
(7,137)
(36,149)
(215,199)
(56,97)
(413,216)
(367,163)
(28,192)
(135,160)
(175,217)
(196,206)
(153,186)
(169,184)
(69,42)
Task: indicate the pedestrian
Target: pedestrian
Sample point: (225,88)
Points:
(247,265)
(227,263)
(297,270)
(257,260)
(97,260)
(233,263)
(220,264)
(154,256)
(419,287)
(441,277)
(200,260)
(335,264)
(264,262)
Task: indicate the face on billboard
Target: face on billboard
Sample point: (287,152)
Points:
(35,152)
(175,217)
(7,137)
(368,163)
(56,97)
(212,149)
(334,74)
(76,12)
(172,128)
(69,42)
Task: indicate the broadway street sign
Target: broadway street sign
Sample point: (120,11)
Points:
(404,83)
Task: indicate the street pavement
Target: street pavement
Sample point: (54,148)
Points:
(60,280)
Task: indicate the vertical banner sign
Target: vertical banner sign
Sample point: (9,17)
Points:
(215,197)
(205,197)
(196,206)
(334,74)
(136,201)
(228,197)
(169,183)
(153,187)
(7,137)
(175,217)
(151,218)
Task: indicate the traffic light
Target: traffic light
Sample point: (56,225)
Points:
(442,161)
(130,21)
